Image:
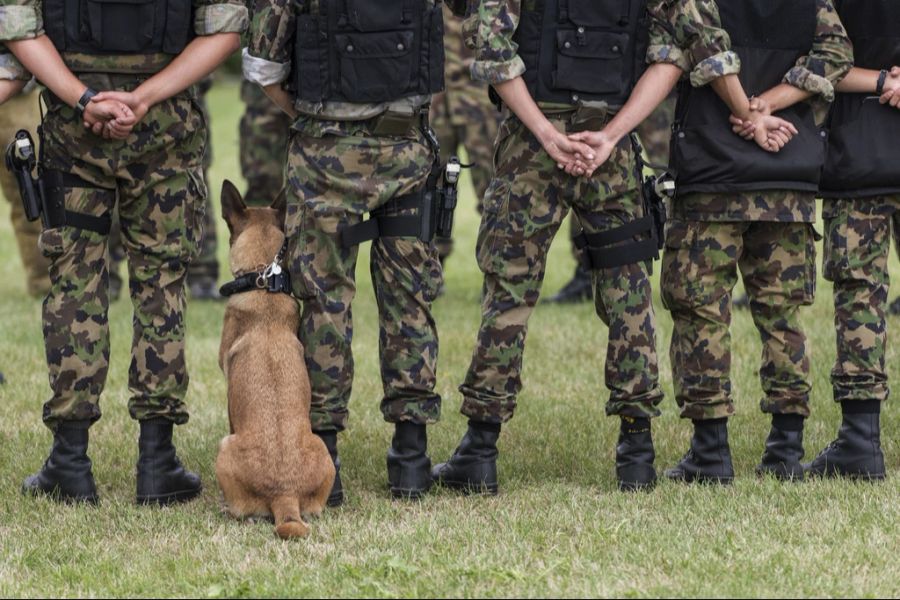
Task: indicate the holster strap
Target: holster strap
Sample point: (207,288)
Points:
(603,253)
(54,183)
(382,224)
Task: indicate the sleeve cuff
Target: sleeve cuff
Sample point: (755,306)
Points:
(666,54)
(492,72)
(714,67)
(20,23)
(10,68)
(221,18)
(806,80)
(263,72)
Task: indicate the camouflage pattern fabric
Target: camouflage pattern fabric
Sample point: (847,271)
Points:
(206,266)
(699,272)
(22,112)
(337,172)
(463,116)
(264,138)
(157,174)
(857,248)
(524,207)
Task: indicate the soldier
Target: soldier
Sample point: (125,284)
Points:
(21,112)
(154,166)
(654,134)
(528,198)
(463,116)
(264,133)
(753,212)
(861,187)
(359,144)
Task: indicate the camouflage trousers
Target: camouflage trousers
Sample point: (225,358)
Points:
(476,134)
(264,140)
(699,271)
(155,179)
(857,248)
(22,112)
(525,204)
(337,172)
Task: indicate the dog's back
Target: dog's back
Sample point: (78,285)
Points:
(272,463)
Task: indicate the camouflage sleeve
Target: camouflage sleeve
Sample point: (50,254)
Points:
(10,68)
(663,47)
(20,19)
(220,16)
(267,57)
(489,32)
(694,26)
(830,59)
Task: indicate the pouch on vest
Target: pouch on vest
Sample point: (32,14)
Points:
(366,52)
(706,155)
(119,26)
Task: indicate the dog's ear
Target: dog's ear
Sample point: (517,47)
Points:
(280,205)
(234,210)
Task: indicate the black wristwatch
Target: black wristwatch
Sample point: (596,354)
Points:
(85,99)
(882,78)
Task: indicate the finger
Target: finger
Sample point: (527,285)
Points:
(97,128)
(895,71)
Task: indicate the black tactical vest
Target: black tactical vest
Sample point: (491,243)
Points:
(364,51)
(769,36)
(119,26)
(583,50)
(865,136)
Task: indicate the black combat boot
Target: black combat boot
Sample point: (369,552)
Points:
(784,449)
(204,289)
(635,455)
(66,474)
(161,478)
(336,497)
(408,464)
(709,459)
(856,452)
(579,289)
(894,308)
(473,466)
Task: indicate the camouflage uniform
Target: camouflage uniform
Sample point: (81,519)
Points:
(857,247)
(206,266)
(155,178)
(463,116)
(526,202)
(768,236)
(337,171)
(265,131)
(22,113)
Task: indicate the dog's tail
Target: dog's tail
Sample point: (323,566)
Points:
(288,522)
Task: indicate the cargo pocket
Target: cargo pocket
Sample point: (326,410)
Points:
(124,26)
(194,211)
(590,61)
(680,270)
(494,222)
(376,67)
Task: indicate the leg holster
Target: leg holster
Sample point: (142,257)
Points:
(606,250)
(53,189)
(384,222)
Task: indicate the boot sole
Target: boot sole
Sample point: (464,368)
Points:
(632,486)
(874,477)
(701,480)
(335,501)
(780,475)
(60,498)
(470,489)
(167,499)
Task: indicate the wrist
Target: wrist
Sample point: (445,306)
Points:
(882,79)
(83,100)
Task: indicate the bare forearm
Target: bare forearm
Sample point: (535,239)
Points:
(654,87)
(281,98)
(40,57)
(784,96)
(732,93)
(199,59)
(10,88)
(859,81)
(516,96)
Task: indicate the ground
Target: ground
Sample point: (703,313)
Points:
(558,528)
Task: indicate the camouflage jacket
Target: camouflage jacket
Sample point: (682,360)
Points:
(19,19)
(267,60)
(828,62)
(22,19)
(491,26)
(463,97)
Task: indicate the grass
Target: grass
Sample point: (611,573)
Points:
(558,528)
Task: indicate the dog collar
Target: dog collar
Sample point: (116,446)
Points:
(273,279)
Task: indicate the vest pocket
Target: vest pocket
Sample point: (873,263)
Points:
(308,63)
(862,153)
(121,25)
(376,67)
(590,61)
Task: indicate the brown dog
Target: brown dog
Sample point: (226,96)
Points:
(272,464)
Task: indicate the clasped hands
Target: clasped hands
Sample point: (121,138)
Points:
(113,115)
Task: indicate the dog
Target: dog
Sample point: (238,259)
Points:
(272,465)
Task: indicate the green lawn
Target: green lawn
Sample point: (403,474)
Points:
(558,528)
